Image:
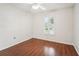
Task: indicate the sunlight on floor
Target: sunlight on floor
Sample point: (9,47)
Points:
(48,51)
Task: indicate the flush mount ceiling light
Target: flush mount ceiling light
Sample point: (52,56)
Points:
(38,6)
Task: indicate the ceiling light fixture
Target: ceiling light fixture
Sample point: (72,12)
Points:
(38,6)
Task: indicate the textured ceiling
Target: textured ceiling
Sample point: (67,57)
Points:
(49,6)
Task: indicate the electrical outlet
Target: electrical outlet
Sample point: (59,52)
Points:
(14,37)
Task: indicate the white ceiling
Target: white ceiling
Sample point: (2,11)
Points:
(49,6)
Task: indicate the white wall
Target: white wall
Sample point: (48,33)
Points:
(13,23)
(76,28)
(63,25)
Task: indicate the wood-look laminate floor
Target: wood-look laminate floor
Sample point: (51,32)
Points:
(36,47)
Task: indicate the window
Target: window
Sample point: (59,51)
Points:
(49,25)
